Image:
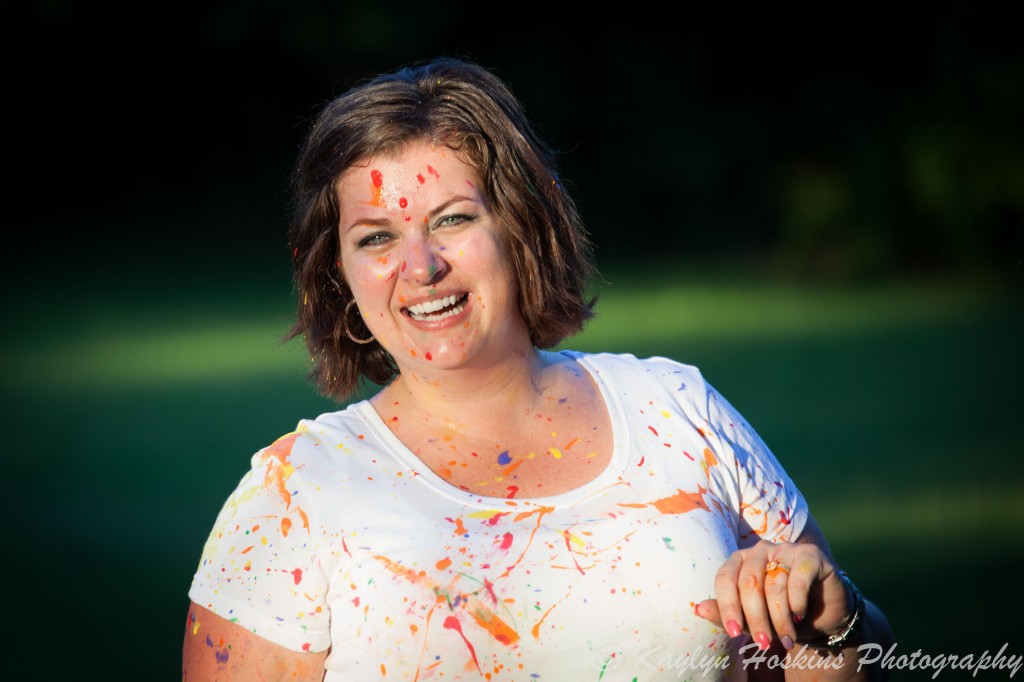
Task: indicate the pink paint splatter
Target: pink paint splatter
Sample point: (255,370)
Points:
(506,541)
(452,623)
(297,575)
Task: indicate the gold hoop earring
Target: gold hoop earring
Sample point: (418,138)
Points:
(348,332)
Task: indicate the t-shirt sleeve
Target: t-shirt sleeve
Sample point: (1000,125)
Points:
(260,566)
(767,504)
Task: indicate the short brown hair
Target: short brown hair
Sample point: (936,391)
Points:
(465,107)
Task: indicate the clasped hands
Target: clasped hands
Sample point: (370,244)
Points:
(789,591)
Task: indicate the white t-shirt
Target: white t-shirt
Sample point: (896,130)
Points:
(339,537)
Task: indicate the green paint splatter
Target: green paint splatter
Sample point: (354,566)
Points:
(668,543)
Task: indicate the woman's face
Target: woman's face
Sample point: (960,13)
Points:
(426,262)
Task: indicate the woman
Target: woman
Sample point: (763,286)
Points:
(495,511)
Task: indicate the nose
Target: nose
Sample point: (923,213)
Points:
(423,262)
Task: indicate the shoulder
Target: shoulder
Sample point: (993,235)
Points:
(319,438)
(626,369)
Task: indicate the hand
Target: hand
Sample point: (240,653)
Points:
(789,590)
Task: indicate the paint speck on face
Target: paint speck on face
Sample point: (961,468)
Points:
(403,202)
(428,356)
(430,169)
(504,458)
(420,178)
(378,188)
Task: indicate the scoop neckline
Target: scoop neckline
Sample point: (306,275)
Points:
(425,476)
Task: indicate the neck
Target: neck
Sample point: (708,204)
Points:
(500,391)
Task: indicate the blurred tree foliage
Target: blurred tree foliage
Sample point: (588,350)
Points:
(827,141)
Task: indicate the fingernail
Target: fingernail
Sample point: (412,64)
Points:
(733,628)
(787,642)
(763,641)
(696,611)
(797,618)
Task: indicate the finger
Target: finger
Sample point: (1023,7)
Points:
(708,610)
(776,593)
(727,595)
(806,570)
(752,596)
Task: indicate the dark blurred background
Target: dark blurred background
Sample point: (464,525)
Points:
(810,151)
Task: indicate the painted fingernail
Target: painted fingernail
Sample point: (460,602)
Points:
(733,628)
(787,642)
(763,641)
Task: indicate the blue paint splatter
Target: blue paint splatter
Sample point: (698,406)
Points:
(504,458)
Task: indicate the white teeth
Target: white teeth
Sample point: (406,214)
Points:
(421,311)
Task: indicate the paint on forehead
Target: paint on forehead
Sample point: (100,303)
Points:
(377,178)
(403,202)
(432,171)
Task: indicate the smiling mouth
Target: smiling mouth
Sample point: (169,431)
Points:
(438,309)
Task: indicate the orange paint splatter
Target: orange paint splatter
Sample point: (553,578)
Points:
(682,502)
(443,564)
(498,628)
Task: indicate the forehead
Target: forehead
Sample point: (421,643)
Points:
(419,168)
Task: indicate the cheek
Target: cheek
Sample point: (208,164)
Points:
(372,271)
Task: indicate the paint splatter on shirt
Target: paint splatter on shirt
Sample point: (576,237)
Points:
(340,538)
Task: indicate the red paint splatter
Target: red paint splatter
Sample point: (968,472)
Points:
(419,176)
(403,266)
(653,430)
(490,591)
(430,169)
(689,455)
(494,519)
(641,462)
(305,647)
(428,356)
(345,547)
(506,541)
(403,202)
(452,623)
(297,575)
(512,490)
(378,183)
(355,602)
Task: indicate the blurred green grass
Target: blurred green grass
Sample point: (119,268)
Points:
(132,414)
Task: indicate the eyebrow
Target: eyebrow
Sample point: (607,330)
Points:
(383,222)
